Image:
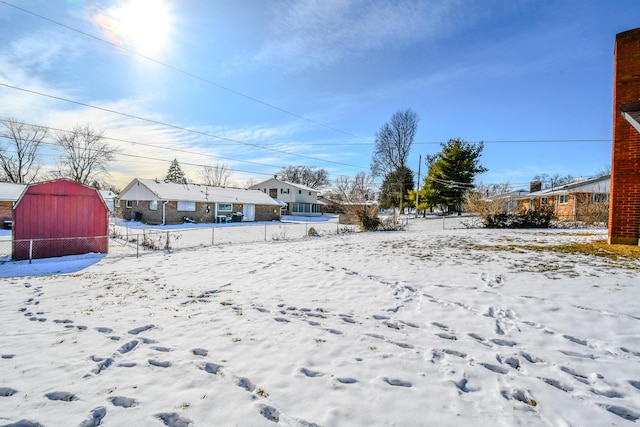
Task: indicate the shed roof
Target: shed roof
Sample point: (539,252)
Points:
(11,191)
(161,190)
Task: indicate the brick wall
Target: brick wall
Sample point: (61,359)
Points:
(624,214)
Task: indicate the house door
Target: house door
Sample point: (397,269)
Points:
(249,212)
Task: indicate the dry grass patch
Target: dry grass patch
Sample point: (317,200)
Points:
(599,248)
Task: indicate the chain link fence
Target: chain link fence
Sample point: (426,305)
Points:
(29,249)
(126,241)
(140,240)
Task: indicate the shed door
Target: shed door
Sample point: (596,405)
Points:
(249,212)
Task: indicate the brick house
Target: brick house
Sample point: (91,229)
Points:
(9,195)
(624,215)
(299,199)
(574,201)
(159,202)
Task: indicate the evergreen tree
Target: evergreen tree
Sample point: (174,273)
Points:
(175,173)
(452,171)
(395,188)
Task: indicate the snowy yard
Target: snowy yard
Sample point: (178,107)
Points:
(423,327)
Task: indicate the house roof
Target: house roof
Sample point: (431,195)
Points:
(631,112)
(600,184)
(160,190)
(292,184)
(11,191)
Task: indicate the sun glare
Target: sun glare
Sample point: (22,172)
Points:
(141,25)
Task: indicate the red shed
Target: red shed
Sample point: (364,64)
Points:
(57,218)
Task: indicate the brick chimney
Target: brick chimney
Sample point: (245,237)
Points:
(535,186)
(624,207)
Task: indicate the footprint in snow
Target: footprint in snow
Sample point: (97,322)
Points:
(246,384)
(311,374)
(334,331)
(200,352)
(61,395)
(127,347)
(123,402)
(140,329)
(397,382)
(495,368)
(447,336)
(160,364)
(576,340)
(270,413)
(7,391)
(171,419)
(622,412)
(104,330)
(346,380)
(24,423)
(519,395)
(211,368)
(95,417)
(7,356)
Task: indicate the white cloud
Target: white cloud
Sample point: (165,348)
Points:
(318,33)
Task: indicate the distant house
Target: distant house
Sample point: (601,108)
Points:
(109,197)
(345,209)
(299,199)
(159,202)
(9,195)
(58,218)
(570,201)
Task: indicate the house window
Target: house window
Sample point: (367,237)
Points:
(544,201)
(225,207)
(129,204)
(117,203)
(186,206)
(284,191)
(299,191)
(600,198)
(153,205)
(563,199)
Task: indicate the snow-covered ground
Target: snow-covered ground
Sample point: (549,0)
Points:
(423,327)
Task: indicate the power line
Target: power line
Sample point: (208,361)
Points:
(153,158)
(175,126)
(159,147)
(179,70)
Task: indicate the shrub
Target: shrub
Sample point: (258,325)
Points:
(539,218)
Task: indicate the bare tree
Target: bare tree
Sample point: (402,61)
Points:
(215,175)
(85,154)
(359,188)
(309,176)
(393,143)
(19,146)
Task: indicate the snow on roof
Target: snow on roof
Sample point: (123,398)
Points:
(600,184)
(11,191)
(631,113)
(199,193)
(292,184)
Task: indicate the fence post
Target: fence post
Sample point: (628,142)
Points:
(137,246)
(213,236)
(265,232)
(30,250)
(167,246)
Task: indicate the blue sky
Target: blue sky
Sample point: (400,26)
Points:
(310,82)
